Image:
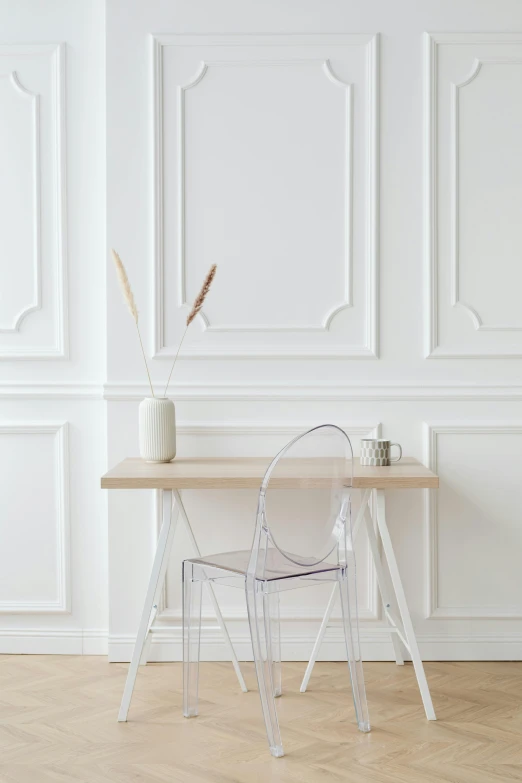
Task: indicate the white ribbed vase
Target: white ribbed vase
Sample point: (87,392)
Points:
(157,429)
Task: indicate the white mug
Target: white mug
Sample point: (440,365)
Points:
(375,451)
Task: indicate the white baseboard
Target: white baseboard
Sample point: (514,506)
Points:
(375,643)
(297,645)
(167,647)
(44,641)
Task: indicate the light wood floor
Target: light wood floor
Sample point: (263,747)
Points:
(58,723)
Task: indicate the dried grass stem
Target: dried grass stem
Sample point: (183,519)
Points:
(196,307)
(131,304)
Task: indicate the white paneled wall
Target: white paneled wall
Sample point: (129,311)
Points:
(353,200)
(355,173)
(53,518)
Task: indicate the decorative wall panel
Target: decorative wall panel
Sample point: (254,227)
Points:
(266,164)
(34,498)
(473,105)
(473,521)
(33,293)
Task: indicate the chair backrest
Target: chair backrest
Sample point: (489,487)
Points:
(308,523)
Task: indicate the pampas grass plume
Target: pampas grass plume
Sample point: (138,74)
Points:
(196,307)
(125,285)
(200,298)
(131,304)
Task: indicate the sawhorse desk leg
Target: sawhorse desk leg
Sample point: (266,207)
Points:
(172,509)
(399,629)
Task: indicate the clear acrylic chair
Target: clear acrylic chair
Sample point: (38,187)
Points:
(302,538)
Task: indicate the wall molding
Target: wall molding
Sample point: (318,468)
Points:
(326,68)
(433,610)
(370,347)
(53,641)
(51,391)
(187,392)
(62,604)
(456,300)
(36,303)
(430,194)
(123,392)
(431,43)
(248,428)
(297,643)
(60,349)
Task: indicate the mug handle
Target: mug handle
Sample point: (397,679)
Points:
(400,452)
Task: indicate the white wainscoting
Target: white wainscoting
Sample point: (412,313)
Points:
(297,644)
(485,629)
(53,517)
(264,138)
(262,163)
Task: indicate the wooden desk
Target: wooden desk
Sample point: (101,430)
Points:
(247,473)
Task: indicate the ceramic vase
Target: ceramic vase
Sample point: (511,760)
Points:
(157,425)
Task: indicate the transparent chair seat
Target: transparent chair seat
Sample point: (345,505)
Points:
(276,566)
(302,536)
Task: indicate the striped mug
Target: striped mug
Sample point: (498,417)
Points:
(375,451)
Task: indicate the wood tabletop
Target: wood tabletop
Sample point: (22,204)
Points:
(248,472)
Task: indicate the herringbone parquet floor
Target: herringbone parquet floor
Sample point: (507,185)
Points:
(58,723)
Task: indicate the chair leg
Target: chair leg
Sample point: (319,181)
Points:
(319,639)
(275,628)
(353,650)
(191,638)
(258,603)
(219,616)
(331,601)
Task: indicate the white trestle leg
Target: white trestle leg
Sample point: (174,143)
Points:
(382,582)
(401,630)
(146,647)
(157,577)
(409,633)
(170,513)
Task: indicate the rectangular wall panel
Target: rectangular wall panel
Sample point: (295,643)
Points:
(34,518)
(266,164)
(33,293)
(473,121)
(473,521)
